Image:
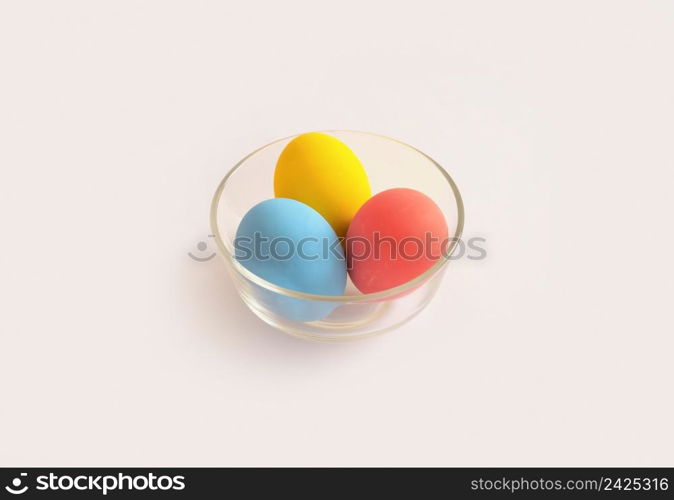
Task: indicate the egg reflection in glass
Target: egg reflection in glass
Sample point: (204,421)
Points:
(289,244)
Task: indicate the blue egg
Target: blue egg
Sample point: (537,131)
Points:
(290,244)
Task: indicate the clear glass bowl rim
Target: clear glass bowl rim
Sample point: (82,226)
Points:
(388,293)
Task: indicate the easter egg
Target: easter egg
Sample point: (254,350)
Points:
(321,171)
(291,245)
(396,235)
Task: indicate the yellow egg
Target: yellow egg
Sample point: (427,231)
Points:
(322,172)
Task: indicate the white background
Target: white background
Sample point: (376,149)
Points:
(118,120)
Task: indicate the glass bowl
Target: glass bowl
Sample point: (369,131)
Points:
(389,164)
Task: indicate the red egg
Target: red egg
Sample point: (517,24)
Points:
(394,237)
